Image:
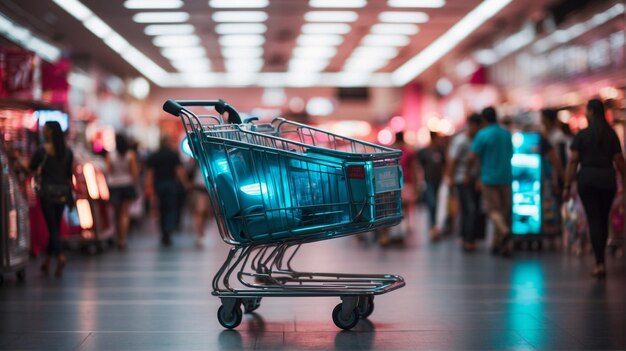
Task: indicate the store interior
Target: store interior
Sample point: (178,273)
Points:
(353,81)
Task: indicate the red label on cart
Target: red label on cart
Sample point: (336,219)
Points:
(356,172)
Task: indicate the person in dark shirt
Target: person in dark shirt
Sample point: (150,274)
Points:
(597,150)
(164,173)
(432,160)
(54,162)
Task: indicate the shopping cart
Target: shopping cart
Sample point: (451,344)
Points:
(14,227)
(277,186)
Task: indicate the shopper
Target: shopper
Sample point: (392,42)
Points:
(493,148)
(597,150)
(464,181)
(163,174)
(408,163)
(558,139)
(53,162)
(432,161)
(122,178)
(202,210)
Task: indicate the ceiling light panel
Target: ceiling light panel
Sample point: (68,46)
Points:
(320,40)
(331,16)
(238,4)
(153,4)
(376,52)
(116,42)
(238,40)
(416,3)
(239,16)
(243,65)
(168,29)
(403,17)
(161,17)
(308,64)
(315,52)
(194,65)
(183,53)
(97,26)
(450,39)
(240,28)
(325,28)
(338,3)
(176,40)
(75,8)
(395,28)
(235,52)
(385,40)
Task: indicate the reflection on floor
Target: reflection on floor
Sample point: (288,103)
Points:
(151,298)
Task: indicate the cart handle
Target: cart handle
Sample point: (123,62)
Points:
(174,107)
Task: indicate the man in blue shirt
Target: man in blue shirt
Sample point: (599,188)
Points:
(493,148)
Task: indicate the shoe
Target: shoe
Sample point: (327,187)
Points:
(468,246)
(45,267)
(505,246)
(60,267)
(495,250)
(166,240)
(435,234)
(599,272)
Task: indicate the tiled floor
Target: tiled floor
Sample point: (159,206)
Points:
(150,298)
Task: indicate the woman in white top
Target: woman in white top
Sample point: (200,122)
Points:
(123,174)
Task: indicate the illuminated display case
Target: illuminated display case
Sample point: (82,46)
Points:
(89,223)
(527,201)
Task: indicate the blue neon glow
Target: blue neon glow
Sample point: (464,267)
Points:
(254,189)
(186,148)
(222,166)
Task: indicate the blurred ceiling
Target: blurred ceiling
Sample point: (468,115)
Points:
(271,42)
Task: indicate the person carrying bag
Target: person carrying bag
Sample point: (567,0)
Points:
(53,163)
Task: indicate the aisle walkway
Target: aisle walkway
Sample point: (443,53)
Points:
(151,298)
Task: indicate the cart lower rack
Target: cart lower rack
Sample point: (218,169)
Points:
(275,187)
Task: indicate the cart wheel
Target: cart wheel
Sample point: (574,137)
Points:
(229,320)
(345,324)
(364,311)
(21,275)
(250,305)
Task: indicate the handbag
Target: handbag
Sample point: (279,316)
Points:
(54,193)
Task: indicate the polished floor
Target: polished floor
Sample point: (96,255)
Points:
(153,298)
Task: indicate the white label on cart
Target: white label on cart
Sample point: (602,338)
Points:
(386,179)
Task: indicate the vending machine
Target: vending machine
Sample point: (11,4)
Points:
(526,186)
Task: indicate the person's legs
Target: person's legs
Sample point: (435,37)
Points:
(431,202)
(123,220)
(594,210)
(493,205)
(201,214)
(168,199)
(466,202)
(480,219)
(605,202)
(52,214)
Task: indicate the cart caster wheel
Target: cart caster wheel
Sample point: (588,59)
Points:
(343,323)
(366,311)
(21,275)
(251,305)
(229,320)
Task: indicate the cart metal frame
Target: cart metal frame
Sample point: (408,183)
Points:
(260,268)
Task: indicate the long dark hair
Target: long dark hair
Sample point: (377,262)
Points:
(58,139)
(597,121)
(121,144)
